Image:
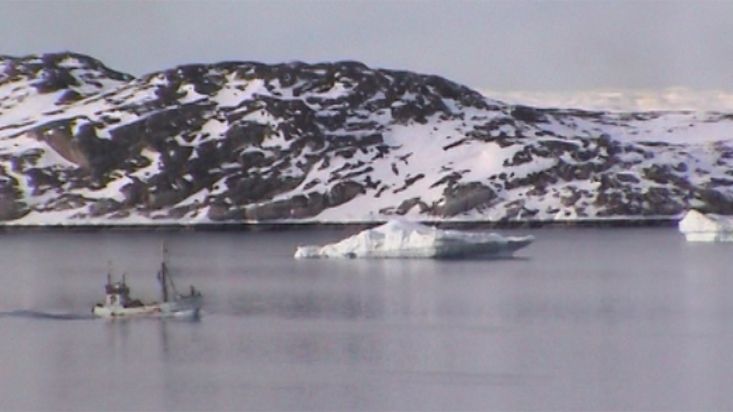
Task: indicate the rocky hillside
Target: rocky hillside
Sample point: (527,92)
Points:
(332,142)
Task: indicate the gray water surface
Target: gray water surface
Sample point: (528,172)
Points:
(583,319)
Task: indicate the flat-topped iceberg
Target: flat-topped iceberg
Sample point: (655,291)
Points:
(699,227)
(399,239)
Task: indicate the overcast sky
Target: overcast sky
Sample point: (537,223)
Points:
(499,45)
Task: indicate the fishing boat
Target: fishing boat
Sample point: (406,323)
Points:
(118,303)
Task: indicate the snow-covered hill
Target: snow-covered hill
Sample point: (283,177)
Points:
(331,142)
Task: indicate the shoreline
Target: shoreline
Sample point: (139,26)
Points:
(276,226)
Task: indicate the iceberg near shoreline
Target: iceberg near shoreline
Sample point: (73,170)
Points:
(398,239)
(699,227)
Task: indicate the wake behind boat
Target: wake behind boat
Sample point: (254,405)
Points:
(118,303)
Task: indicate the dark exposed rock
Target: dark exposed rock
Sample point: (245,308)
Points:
(268,211)
(135,193)
(627,178)
(527,114)
(516,210)
(69,96)
(308,206)
(462,198)
(161,198)
(408,204)
(715,202)
(221,211)
(660,201)
(297,207)
(343,192)
(409,182)
(103,207)
(11,203)
(571,199)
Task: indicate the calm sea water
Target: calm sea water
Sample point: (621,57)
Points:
(583,319)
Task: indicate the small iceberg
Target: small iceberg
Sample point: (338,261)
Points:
(699,227)
(399,239)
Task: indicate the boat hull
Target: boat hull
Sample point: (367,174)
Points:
(185,308)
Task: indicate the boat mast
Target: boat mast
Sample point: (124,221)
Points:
(166,282)
(162,275)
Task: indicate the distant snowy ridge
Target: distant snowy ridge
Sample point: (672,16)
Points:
(248,142)
(619,100)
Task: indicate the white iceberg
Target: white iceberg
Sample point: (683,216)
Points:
(699,227)
(399,239)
